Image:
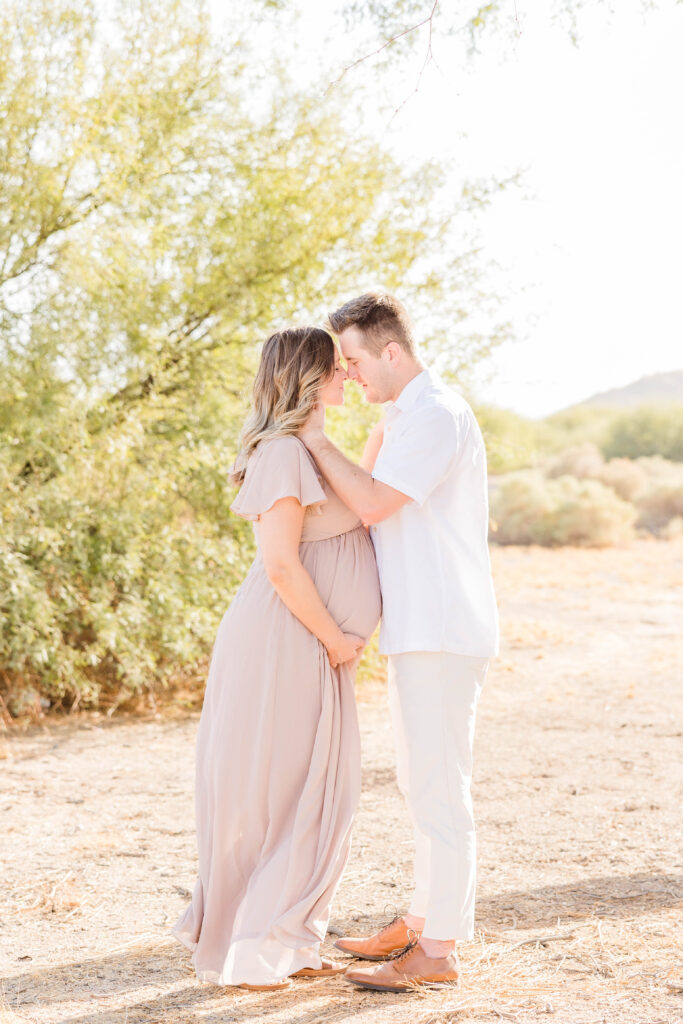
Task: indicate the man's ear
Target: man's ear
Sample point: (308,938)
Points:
(392,353)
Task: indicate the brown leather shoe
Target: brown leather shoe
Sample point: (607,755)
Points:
(326,970)
(394,937)
(406,972)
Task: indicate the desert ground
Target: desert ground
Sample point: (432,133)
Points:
(577,792)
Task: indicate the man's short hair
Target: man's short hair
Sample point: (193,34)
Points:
(381,318)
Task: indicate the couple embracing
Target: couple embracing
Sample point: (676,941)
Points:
(278,753)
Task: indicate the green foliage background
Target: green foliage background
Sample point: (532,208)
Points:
(163,207)
(165,204)
(514,442)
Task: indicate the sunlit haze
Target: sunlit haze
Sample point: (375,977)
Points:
(589,245)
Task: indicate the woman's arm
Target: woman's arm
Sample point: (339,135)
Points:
(279,533)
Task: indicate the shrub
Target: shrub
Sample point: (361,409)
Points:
(658,470)
(625,477)
(588,514)
(520,504)
(649,430)
(673,529)
(512,442)
(112,580)
(583,461)
(577,425)
(528,509)
(659,506)
(662,498)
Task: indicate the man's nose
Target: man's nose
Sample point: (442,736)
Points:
(351,372)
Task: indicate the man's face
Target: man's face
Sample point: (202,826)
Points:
(375,374)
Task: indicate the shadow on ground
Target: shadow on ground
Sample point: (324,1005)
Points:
(167,967)
(620,896)
(606,896)
(120,979)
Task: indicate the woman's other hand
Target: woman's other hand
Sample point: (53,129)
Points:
(315,424)
(345,648)
(372,446)
(377,432)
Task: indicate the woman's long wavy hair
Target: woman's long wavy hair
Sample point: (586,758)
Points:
(295,363)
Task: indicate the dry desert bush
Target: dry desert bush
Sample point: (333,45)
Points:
(662,501)
(624,476)
(529,508)
(673,529)
(578,498)
(583,461)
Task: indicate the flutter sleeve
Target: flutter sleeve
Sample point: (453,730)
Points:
(279,468)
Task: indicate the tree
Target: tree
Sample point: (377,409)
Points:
(403,23)
(161,211)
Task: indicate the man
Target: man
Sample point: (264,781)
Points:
(421,486)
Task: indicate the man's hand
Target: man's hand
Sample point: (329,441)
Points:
(314,425)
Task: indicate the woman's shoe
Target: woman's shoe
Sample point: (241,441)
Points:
(272,987)
(328,968)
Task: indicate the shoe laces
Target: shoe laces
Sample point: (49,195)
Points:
(390,925)
(401,954)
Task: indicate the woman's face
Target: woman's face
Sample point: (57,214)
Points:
(332,393)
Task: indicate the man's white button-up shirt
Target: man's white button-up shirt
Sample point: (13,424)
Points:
(432,554)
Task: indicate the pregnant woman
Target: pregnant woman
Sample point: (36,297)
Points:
(278,754)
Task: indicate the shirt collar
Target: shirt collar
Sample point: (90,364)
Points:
(413,388)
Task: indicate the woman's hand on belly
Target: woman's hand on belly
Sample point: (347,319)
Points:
(346,648)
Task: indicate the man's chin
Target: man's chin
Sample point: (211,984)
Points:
(371,397)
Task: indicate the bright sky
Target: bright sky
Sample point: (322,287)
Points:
(591,246)
(594,255)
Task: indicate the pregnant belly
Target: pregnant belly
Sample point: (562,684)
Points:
(345,574)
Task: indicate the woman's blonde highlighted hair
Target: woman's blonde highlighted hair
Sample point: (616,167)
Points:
(295,364)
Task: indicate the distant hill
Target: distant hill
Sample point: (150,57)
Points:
(658,387)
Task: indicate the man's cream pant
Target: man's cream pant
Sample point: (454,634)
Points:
(433,699)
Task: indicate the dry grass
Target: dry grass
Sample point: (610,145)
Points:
(61,897)
(566,973)
(578,916)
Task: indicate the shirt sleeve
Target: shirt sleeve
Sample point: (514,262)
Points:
(279,468)
(419,452)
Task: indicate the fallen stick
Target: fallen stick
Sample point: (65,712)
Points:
(542,940)
(501,1013)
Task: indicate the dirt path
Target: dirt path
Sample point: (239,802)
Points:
(577,792)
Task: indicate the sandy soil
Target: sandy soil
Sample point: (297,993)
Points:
(577,792)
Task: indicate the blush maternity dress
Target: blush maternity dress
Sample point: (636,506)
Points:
(278,752)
